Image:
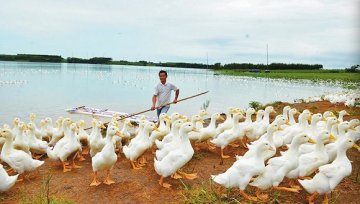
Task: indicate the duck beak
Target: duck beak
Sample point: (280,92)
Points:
(102,126)
(311,141)
(274,111)
(271,149)
(298,112)
(222,119)
(188,120)
(338,122)
(202,121)
(156,129)
(280,129)
(323,119)
(332,138)
(195,130)
(356,147)
(118,133)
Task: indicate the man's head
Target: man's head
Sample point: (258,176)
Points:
(162,76)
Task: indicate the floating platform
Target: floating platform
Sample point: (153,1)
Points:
(85,110)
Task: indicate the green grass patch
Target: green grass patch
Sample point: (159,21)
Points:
(314,75)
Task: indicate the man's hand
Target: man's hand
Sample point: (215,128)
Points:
(175,101)
(152,108)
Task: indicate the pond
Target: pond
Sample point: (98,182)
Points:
(48,89)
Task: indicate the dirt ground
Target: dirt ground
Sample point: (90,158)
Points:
(141,186)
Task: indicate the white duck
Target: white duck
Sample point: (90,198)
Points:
(137,148)
(227,124)
(245,168)
(177,158)
(278,167)
(69,149)
(16,128)
(260,128)
(330,175)
(206,133)
(326,115)
(268,137)
(163,129)
(342,114)
(21,141)
(331,148)
(298,128)
(173,144)
(6,181)
(97,142)
(309,162)
(231,135)
(36,145)
(18,160)
(292,113)
(106,158)
(36,129)
(174,133)
(58,132)
(200,124)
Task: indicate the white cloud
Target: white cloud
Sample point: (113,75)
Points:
(231,30)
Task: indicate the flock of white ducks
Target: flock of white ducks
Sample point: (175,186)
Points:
(314,145)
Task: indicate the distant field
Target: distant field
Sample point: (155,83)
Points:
(333,75)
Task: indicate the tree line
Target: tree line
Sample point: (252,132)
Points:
(107,60)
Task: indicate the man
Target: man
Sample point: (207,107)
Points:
(162,94)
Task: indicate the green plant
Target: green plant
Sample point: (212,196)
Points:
(205,105)
(44,194)
(255,104)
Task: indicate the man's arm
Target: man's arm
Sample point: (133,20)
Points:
(153,102)
(176,95)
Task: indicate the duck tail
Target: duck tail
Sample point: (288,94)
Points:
(308,185)
(37,163)
(159,144)
(51,154)
(157,166)
(126,152)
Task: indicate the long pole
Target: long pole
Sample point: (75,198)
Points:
(131,115)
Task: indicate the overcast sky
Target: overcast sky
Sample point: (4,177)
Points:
(296,31)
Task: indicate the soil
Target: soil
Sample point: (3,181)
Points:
(141,186)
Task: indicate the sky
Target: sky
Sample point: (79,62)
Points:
(296,31)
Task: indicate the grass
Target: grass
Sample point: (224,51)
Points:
(43,197)
(314,75)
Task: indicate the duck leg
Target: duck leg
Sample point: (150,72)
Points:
(143,160)
(107,180)
(176,175)
(210,145)
(248,197)
(80,156)
(74,166)
(294,190)
(95,181)
(163,184)
(293,185)
(305,177)
(65,167)
(222,154)
(311,198)
(233,144)
(10,171)
(244,142)
(261,196)
(85,150)
(326,199)
(188,176)
(134,166)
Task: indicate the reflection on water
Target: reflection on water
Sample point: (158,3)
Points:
(49,88)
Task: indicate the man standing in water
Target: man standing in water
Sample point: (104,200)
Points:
(162,94)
